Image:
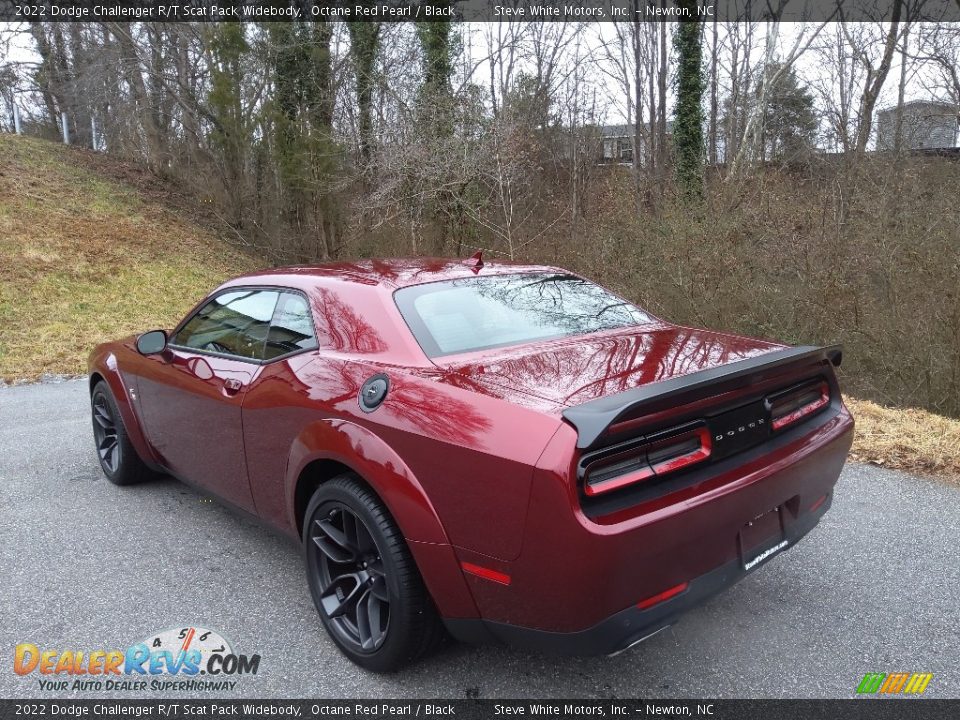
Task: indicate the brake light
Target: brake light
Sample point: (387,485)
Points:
(647,461)
(794,406)
(674,454)
(618,475)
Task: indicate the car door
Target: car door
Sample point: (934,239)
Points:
(280,404)
(191,394)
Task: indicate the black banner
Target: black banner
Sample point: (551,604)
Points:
(859,709)
(473,10)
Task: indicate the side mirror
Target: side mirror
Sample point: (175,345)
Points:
(151,343)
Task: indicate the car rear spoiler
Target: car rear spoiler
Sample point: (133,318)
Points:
(592,418)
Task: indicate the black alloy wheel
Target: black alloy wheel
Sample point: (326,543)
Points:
(363,579)
(105,434)
(353,588)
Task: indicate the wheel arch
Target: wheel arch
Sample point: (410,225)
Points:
(104,369)
(316,473)
(329,448)
(95,377)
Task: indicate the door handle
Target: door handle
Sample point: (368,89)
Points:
(232,385)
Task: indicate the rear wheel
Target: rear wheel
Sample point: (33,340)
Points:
(118,458)
(363,580)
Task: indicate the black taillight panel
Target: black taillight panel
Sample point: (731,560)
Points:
(656,459)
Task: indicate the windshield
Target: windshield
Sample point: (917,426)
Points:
(498,310)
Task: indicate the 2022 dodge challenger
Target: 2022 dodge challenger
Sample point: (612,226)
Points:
(509,452)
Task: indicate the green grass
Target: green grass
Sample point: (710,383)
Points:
(87,253)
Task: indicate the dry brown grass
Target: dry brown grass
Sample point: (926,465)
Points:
(87,254)
(906,439)
(92,249)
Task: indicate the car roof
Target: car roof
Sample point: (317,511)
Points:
(389,274)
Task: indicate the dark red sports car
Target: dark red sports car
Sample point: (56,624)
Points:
(509,452)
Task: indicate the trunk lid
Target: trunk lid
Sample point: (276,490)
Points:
(574,371)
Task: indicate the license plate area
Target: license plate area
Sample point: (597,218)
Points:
(761,538)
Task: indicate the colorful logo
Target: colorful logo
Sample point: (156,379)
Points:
(894,683)
(185,652)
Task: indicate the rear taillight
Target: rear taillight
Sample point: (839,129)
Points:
(679,452)
(672,453)
(795,405)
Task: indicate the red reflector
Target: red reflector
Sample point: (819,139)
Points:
(486,573)
(793,415)
(660,597)
(818,503)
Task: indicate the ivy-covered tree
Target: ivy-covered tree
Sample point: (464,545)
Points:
(232,130)
(305,153)
(437,45)
(688,124)
(364,45)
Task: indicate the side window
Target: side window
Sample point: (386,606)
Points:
(234,323)
(292,327)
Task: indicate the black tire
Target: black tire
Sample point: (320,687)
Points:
(118,458)
(364,576)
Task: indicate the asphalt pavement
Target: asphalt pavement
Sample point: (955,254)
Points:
(87,565)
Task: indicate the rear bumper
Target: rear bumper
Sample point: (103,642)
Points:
(632,625)
(582,576)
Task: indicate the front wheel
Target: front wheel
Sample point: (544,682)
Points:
(363,580)
(118,458)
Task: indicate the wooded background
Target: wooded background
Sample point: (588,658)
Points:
(751,198)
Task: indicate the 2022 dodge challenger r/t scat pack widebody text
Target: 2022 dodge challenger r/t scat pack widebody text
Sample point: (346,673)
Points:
(507,452)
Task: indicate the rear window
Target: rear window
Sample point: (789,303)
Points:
(500,310)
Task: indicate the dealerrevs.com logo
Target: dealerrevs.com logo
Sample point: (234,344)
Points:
(185,659)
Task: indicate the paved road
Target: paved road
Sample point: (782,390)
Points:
(86,565)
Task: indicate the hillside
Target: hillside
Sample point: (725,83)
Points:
(91,249)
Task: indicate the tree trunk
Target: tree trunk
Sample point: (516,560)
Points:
(688,127)
(869,99)
(901,92)
(364,42)
(138,89)
(714,100)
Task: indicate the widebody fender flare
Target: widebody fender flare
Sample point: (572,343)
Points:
(377,463)
(359,449)
(104,364)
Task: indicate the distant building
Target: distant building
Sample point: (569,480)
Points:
(616,143)
(927,124)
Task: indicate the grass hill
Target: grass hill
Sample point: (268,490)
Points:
(91,249)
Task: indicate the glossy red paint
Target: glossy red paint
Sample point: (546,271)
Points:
(470,453)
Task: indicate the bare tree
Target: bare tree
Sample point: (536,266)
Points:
(876,74)
(771,73)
